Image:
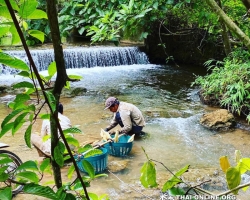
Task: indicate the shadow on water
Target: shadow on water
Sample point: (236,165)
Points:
(172,110)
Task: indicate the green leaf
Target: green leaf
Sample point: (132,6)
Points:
(27,135)
(24,84)
(75,77)
(244,165)
(38,14)
(52,68)
(24,74)
(148,174)
(15,36)
(37,34)
(233,177)
(28,175)
(72,141)
(28,165)
(6,128)
(176,191)
(88,168)
(27,8)
(44,164)
(72,130)
(6,193)
(13,62)
(25,25)
(71,171)
(45,116)
(58,156)
(69,196)
(3,177)
(171,183)
(19,121)
(4,29)
(39,190)
(5,12)
(182,171)
(51,99)
(93,152)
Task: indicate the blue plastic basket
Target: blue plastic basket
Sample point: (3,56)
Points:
(120,148)
(99,162)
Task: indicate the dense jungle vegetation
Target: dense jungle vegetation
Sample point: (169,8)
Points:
(34,22)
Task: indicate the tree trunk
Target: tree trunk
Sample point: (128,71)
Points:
(59,83)
(226,41)
(230,24)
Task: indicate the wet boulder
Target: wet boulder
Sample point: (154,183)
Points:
(219,120)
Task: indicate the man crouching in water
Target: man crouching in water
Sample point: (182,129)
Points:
(127,115)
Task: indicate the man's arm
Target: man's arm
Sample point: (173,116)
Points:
(112,124)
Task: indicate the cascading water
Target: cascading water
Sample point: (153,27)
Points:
(81,57)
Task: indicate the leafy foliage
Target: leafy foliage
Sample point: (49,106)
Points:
(228,82)
(26,12)
(233,174)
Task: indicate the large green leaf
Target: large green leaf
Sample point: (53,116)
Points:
(22,98)
(44,164)
(244,165)
(89,168)
(28,175)
(38,14)
(233,177)
(10,116)
(52,68)
(4,29)
(6,194)
(15,36)
(27,135)
(39,190)
(37,34)
(27,8)
(28,165)
(148,174)
(13,62)
(23,84)
(4,12)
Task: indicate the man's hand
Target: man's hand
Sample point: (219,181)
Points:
(106,129)
(111,133)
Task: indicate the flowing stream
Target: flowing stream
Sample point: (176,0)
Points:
(172,110)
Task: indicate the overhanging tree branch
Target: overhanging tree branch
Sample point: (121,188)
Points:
(229,23)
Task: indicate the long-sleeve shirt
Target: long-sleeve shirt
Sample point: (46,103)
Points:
(45,130)
(130,116)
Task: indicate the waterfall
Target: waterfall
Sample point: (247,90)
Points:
(80,57)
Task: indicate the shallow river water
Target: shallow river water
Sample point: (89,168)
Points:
(172,110)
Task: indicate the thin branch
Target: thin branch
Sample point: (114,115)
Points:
(44,94)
